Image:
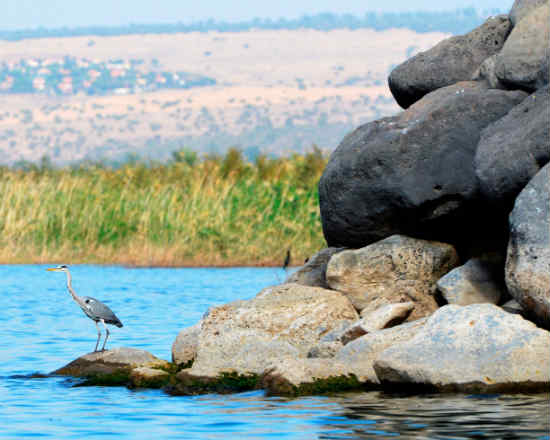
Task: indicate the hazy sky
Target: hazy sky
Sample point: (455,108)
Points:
(16,14)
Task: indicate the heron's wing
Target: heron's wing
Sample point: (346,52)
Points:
(96,310)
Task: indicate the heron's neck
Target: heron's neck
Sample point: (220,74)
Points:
(70,288)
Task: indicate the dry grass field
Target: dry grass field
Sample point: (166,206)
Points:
(278,91)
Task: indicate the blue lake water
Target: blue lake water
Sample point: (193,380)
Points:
(42,329)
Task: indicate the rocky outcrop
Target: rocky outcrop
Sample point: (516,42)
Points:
(313,273)
(524,59)
(413,173)
(184,348)
(397,269)
(480,280)
(281,321)
(454,59)
(110,361)
(528,258)
(513,149)
(473,348)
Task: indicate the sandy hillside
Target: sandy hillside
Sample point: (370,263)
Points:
(276,91)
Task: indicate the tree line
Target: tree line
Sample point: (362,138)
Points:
(456,21)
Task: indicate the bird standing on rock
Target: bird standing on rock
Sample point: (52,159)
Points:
(93,308)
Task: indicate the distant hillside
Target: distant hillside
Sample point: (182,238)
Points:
(270,91)
(455,22)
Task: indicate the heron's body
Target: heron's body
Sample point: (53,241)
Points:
(93,308)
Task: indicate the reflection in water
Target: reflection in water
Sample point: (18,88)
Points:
(41,329)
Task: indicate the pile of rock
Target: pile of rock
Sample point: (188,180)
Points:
(415,208)
(416,287)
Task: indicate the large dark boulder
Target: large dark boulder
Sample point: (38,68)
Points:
(523,61)
(452,60)
(528,260)
(412,173)
(513,149)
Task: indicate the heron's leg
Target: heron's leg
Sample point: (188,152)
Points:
(106,336)
(98,336)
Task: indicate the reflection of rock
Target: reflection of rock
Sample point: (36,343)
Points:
(413,173)
(473,348)
(477,281)
(523,61)
(313,273)
(184,348)
(528,259)
(452,60)
(110,361)
(397,269)
(281,321)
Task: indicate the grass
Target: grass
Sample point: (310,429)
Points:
(192,211)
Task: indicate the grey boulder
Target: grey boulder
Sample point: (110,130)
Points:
(524,59)
(452,60)
(480,280)
(413,173)
(476,348)
(528,257)
(513,149)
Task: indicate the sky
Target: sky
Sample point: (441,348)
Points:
(23,14)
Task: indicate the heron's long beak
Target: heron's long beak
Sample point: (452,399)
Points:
(53,269)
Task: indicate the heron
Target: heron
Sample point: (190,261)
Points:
(93,308)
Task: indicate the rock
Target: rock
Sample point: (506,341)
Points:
(145,377)
(361,353)
(528,259)
(486,73)
(476,348)
(325,349)
(524,59)
(307,376)
(110,361)
(281,321)
(452,60)
(521,8)
(184,348)
(395,270)
(513,149)
(480,280)
(384,317)
(413,173)
(313,272)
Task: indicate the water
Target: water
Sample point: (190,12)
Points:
(41,329)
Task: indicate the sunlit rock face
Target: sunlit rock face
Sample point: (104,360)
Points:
(528,259)
(477,347)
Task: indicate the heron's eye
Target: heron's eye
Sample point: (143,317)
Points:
(87,301)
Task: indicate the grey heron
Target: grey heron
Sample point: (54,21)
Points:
(93,308)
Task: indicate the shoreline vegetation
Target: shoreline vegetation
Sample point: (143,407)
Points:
(192,211)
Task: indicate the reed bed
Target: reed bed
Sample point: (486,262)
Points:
(192,211)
